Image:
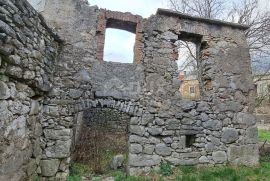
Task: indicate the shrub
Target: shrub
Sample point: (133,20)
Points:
(166,169)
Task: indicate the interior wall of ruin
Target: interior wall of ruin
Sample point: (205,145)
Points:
(27,54)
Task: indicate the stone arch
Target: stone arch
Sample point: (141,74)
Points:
(59,140)
(129,107)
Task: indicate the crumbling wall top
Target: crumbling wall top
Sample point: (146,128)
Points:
(162,11)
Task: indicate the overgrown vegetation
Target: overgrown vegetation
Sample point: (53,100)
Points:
(166,169)
(100,140)
(121,176)
(264,135)
(167,172)
(191,173)
(77,170)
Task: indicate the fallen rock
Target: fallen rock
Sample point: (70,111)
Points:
(117,162)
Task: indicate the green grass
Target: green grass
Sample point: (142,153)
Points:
(189,173)
(264,135)
(36,179)
(77,170)
(120,176)
(74,178)
(222,173)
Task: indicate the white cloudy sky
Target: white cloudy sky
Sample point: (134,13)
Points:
(141,7)
(119,44)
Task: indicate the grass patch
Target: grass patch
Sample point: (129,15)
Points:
(77,170)
(121,176)
(222,173)
(187,169)
(264,135)
(188,173)
(74,178)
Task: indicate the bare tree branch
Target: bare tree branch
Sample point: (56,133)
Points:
(203,8)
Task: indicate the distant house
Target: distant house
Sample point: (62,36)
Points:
(189,88)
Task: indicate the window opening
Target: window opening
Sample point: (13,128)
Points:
(188,69)
(192,91)
(190,140)
(119,46)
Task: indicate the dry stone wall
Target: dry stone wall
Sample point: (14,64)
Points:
(221,121)
(53,91)
(27,54)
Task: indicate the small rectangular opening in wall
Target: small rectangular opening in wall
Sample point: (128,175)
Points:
(188,69)
(119,46)
(192,91)
(190,140)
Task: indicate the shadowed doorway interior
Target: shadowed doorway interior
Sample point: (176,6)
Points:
(102,136)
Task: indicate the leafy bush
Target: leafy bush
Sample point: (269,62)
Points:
(166,169)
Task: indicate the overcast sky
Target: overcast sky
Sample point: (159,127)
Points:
(141,7)
(119,44)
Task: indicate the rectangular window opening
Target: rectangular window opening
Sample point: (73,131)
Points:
(190,140)
(119,46)
(188,69)
(192,91)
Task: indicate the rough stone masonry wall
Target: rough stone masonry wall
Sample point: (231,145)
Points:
(27,53)
(76,24)
(161,121)
(221,121)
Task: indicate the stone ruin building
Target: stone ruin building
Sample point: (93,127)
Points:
(52,73)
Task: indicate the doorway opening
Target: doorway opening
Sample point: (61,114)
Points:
(101,141)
